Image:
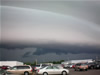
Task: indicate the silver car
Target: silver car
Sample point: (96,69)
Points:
(52,70)
(23,69)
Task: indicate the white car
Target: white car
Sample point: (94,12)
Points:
(52,70)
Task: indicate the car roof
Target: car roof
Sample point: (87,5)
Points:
(22,65)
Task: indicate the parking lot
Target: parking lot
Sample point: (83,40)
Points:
(89,72)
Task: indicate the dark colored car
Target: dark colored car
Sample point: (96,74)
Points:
(91,65)
(97,65)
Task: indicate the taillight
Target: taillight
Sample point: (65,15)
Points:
(38,70)
(80,67)
(73,66)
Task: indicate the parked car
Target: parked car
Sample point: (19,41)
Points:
(5,67)
(73,66)
(70,65)
(24,69)
(52,70)
(81,66)
(97,65)
(39,66)
(91,65)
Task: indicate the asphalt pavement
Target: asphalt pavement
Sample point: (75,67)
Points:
(72,72)
(89,72)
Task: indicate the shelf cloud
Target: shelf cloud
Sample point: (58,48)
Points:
(38,30)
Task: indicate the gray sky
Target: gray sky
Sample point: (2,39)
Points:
(45,28)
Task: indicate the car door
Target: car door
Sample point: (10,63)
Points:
(57,70)
(20,70)
(13,70)
(50,70)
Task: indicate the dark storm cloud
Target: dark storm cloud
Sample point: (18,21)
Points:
(12,46)
(27,54)
(57,48)
(17,54)
(68,49)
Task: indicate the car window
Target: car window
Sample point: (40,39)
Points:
(49,67)
(14,68)
(23,67)
(78,64)
(55,67)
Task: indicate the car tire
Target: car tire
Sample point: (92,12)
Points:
(80,69)
(26,73)
(64,73)
(75,69)
(91,67)
(86,69)
(45,73)
(5,74)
